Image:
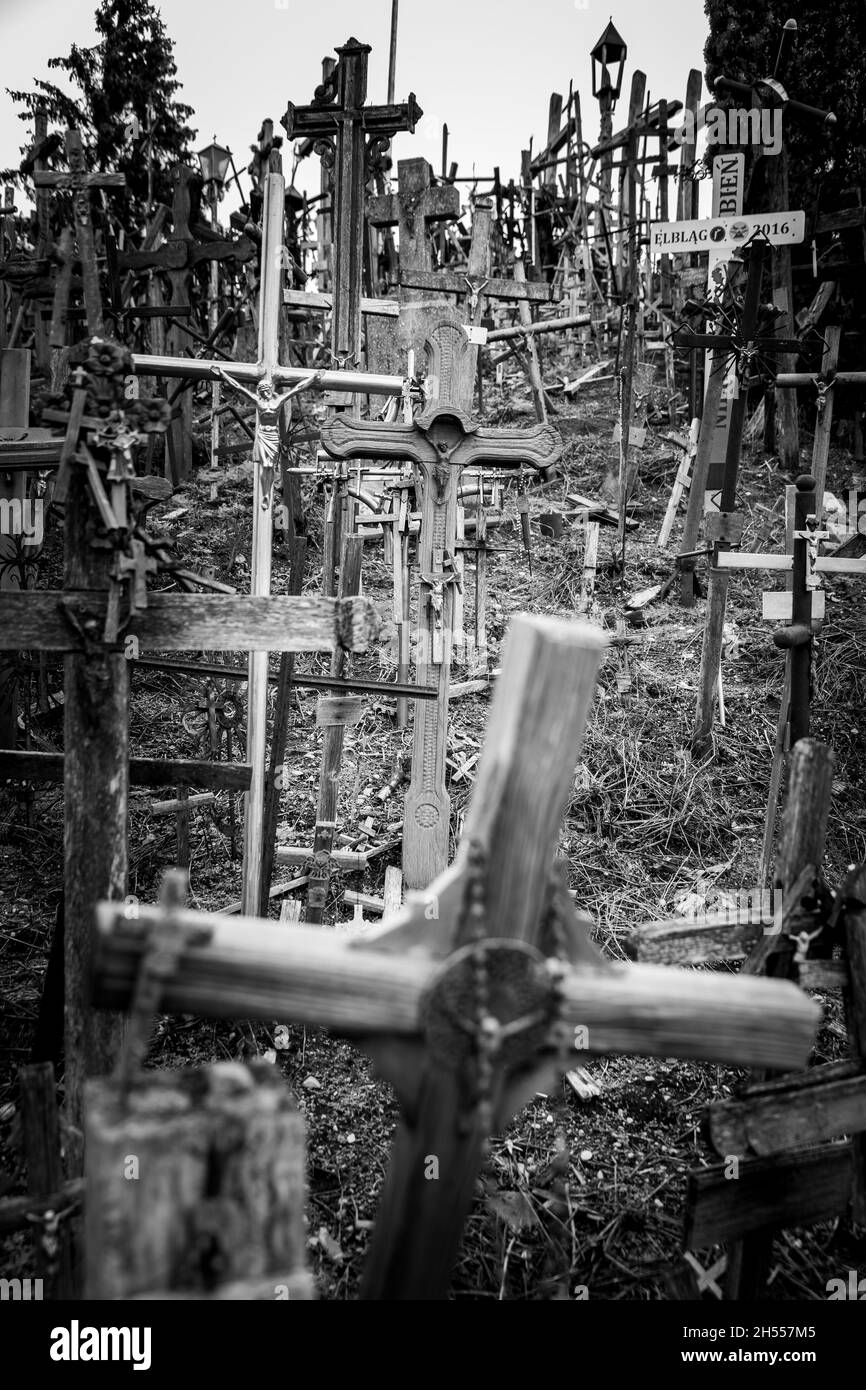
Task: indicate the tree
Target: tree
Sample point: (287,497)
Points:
(131,72)
(826,70)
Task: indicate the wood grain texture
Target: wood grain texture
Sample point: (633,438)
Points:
(219,1190)
(181,622)
(769,1193)
(143,772)
(791,1111)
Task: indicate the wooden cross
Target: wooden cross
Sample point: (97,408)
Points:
(178,258)
(98,621)
(725,527)
(80,184)
(349,136)
(802,610)
(476,995)
(440,442)
(413,208)
(769,93)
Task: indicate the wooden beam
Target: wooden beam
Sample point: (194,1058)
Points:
(28,766)
(791,1112)
(242,967)
(785,1190)
(179,622)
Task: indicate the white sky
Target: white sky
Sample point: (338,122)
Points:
(487,67)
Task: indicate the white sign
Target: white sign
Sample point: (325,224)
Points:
(726,233)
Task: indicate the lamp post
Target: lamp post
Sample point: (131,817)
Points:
(608,64)
(214,162)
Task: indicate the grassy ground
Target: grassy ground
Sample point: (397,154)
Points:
(578,1194)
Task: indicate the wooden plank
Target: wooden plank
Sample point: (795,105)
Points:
(745,560)
(770,1193)
(247,968)
(777,605)
(40,1133)
(538,292)
(791,1112)
(342,710)
(681,942)
(219,1152)
(143,772)
(179,622)
(95,807)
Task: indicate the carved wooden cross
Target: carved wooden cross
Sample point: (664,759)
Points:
(441,442)
(348,135)
(478,992)
(77,181)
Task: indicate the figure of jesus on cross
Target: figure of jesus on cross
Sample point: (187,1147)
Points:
(269,403)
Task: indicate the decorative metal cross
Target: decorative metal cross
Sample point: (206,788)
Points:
(350,137)
(441,442)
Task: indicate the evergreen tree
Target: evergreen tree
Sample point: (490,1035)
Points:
(130,72)
(826,71)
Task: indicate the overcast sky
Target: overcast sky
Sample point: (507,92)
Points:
(486,67)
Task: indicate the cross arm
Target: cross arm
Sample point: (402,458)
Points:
(688,340)
(540,446)
(794,108)
(323,122)
(242,967)
(344,439)
(451,282)
(68,621)
(54,178)
(383,210)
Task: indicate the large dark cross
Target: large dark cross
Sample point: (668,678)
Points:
(769,94)
(480,992)
(440,442)
(178,257)
(348,135)
(77,181)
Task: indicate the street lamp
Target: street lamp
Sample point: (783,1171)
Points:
(608,63)
(214,162)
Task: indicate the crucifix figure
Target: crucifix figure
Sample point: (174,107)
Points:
(478,993)
(268,403)
(440,442)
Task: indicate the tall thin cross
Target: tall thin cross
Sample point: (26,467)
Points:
(348,135)
(77,181)
(441,442)
(724,527)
